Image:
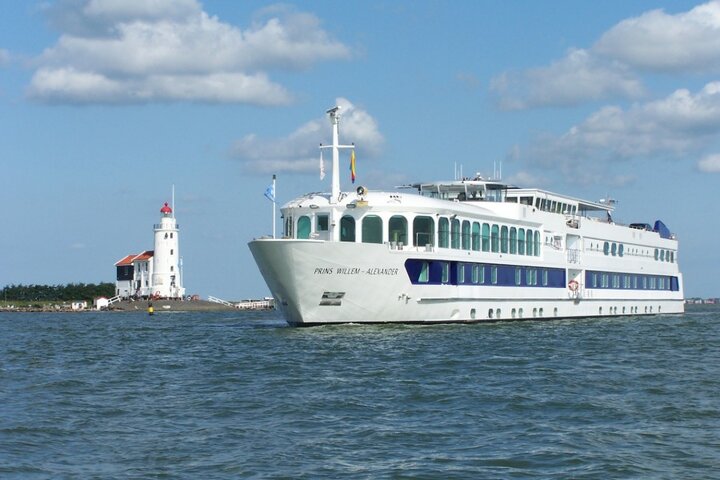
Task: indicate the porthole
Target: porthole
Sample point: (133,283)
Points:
(472,313)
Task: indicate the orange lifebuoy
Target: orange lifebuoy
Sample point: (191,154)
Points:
(573,285)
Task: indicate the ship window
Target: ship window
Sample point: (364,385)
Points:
(613,249)
(606,248)
(476,274)
(466,235)
(529,242)
(322,223)
(445,272)
(621,250)
(424,272)
(485,237)
(644,287)
(521,241)
(544,278)
(476,236)
(672,257)
(494,238)
(397,228)
(518,275)
(372,229)
(303,227)
(537,244)
(504,239)
(461,273)
(455,233)
(347,229)
(493,274)
(424,231)
(657,254)
(444,232)
(513,240)
(594,280)
(662,255)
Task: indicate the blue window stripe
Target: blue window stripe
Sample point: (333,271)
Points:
(505,274)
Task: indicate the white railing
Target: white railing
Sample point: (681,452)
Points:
(114,299)
(220,301)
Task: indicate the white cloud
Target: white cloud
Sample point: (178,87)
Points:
(118,51)
(298,152)
(578,77)
(662,42)
(710,164)
(672,127)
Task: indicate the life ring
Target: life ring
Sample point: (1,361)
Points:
(361,191)
(573,285)
(157,294)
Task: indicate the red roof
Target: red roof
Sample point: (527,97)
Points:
(134,257)
(165,209)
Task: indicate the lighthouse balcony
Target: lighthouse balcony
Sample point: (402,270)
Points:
(160,226)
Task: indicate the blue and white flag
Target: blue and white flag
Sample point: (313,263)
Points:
(270,193)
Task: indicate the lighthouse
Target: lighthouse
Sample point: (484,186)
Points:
(166,276)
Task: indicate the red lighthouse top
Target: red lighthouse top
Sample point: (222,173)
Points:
(165,210)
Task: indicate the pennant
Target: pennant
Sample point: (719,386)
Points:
(270,193)
(352,166)
(322,166)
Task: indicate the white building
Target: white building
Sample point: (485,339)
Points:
(153,273)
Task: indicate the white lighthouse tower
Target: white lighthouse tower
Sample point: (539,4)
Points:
(166,277)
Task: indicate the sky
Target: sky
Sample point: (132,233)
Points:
(106,104)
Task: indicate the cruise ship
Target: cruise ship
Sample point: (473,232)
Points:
(467,250)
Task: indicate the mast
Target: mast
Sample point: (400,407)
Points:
(335,120)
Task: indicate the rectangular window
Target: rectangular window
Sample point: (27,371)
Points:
(544,278)
(518,275)
(460,273)
(322,223)
(445,272)
(476,274)
(424,272)
(493,274)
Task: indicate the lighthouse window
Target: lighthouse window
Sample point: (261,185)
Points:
(485,237)
(424,231)
(372,229)
(347,229)
(455,233)
(476,236)
(398,229)
(166,235)
(495,238)
(444,232)
(171,235)
(303,227)
(322,223)
(504,239)
(172,251)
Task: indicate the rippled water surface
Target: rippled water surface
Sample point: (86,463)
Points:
(242,395)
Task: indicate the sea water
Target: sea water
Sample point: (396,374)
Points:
(242,395)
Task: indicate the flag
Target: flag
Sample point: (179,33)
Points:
(270,193)
(322,166)
(352,166)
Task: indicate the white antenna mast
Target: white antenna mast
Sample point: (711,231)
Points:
(173,200)
(335,120)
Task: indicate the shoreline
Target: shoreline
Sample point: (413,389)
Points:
(131,306)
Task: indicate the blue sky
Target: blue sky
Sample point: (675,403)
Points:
(105,104)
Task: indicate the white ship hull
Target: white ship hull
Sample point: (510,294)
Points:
(317,282)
